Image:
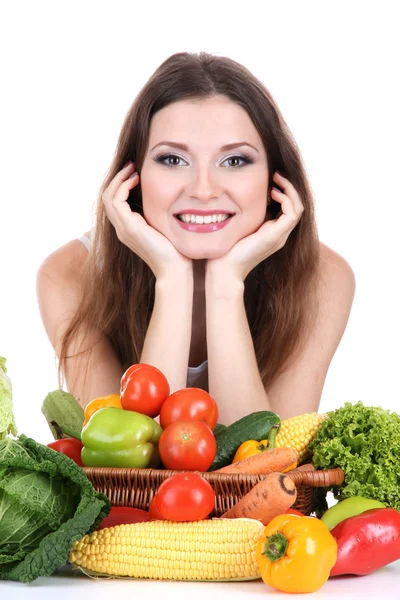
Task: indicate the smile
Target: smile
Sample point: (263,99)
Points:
(200,220)
(203,224)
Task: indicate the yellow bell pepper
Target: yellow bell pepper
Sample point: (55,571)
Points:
(113,400)
(252,447)
(296,554)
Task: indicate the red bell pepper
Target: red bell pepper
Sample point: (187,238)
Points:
(71,447)
(293,511)
(367,542)
(121,515)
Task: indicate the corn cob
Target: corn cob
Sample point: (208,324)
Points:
(214,550)
(298,432)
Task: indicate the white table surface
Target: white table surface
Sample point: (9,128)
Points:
(64,585)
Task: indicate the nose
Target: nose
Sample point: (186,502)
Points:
(204,185)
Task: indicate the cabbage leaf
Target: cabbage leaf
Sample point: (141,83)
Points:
(46,503)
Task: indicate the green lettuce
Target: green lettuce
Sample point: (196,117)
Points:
(365,442)
(7,421)
(46,504)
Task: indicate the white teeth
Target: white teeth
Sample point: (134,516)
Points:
(200,220)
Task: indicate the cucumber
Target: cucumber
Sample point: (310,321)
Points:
(63,414)
(255,426)
(219,428)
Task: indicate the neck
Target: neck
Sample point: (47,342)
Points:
(198,350)
(199,270)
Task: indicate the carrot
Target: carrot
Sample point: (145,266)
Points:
(276,459)
(269,498)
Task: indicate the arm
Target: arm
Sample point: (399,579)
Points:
(168,336)
(234,379)
(58,297)
(167,341)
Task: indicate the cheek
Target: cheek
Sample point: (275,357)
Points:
(154,201)
(252,217)
(159,193)
(252,198)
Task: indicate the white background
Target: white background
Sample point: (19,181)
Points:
(70,72)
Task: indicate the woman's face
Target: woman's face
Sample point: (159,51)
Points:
(203,177)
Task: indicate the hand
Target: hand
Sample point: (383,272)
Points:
(133,231)
(248,252)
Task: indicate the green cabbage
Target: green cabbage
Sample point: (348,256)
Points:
(7,422)
(365,442)
(46,504)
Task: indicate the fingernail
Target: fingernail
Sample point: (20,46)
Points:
(133,175)
(280,173)
(128,163)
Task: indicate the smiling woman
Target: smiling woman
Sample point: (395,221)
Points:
(202,180)
(204,250)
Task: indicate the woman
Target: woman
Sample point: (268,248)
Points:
(204,258)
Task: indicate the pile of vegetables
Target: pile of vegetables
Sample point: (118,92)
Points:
(66,519)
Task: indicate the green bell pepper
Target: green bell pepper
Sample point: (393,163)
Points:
(114,437)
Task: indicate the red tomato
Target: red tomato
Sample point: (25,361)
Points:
(189,403)
(154,513)
(120,515)
(71,447)
(293,511)
(185,497)
(187,446)
(144,389)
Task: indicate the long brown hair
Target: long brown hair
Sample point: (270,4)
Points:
(280,293)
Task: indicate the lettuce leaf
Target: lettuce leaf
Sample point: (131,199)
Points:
(46,504)
(365,442)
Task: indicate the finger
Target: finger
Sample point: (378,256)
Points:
(293,197)
(119,178)
(124,216)
(116,206)
(289,190)
(121,196)
(289,217)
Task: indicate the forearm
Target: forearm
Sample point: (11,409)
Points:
(167,342)
(234,378)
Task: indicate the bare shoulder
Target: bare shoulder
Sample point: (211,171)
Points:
(58,287)
(337,277)
(65,262)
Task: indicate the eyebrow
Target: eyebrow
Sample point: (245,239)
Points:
(186,148)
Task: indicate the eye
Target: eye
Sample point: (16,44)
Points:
(160,158)
(246,159)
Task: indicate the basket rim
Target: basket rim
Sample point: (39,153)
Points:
(305,473)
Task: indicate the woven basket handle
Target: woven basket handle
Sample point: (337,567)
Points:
(307,475)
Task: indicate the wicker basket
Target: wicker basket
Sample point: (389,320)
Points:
(136,487)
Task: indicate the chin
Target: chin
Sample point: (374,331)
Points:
(202,252)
